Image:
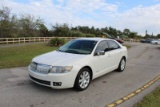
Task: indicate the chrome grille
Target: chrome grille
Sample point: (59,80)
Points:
(40,68)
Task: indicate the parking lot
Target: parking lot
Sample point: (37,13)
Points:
(16,90)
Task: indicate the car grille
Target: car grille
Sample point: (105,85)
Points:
(40,68)
(40,81)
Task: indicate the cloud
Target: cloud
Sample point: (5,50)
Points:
(91,5)
(61,11)
(96,13)
(140,19)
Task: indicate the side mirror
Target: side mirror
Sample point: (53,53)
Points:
(100,53)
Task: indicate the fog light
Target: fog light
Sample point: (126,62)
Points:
(57,83)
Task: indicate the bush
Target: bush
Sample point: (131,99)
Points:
(56,42)
(89,35)
(76,34)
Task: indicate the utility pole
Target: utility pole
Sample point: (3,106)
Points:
(146,33)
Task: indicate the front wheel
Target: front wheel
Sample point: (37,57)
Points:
(83,79)
(122,65)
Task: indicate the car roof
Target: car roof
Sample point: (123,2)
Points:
(95,39)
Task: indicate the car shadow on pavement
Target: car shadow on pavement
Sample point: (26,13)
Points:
(45,89)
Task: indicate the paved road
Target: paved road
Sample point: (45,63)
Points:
(16,90)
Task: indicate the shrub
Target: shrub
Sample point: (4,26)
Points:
(76,34)
(56,42)
(89,35)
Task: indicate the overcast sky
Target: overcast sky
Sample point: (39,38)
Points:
(137,15)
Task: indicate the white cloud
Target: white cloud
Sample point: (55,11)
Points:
(91,5)
(64,11)
(96,13)
(140,19)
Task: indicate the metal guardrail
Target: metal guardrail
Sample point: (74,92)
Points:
(30,39)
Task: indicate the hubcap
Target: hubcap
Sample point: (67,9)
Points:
(123,64)
(84,79)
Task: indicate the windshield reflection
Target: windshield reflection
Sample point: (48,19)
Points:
(78,47)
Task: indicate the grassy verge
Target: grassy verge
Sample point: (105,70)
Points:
(127,46)
(151,100)
(21,55)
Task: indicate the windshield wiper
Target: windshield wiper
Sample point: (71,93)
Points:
(60,50)
(72,51)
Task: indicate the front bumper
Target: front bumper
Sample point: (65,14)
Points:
(54,80)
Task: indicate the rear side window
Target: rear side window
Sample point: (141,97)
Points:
(113,45)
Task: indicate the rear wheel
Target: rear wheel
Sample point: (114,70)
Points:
(122,65)
(83,79)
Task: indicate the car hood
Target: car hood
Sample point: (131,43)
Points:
(57,58)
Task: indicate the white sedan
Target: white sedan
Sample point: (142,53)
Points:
(78,62)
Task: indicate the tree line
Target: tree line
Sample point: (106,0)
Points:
(26,25)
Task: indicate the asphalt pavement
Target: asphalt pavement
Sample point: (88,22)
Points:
(143,65)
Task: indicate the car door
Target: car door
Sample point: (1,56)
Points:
(115,53)
(101,62)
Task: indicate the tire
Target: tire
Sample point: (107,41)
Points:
(122,65)
(83,79)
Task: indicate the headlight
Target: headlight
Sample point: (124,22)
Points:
(60,69)
(33,66)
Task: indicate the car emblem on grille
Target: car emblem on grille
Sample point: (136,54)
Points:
(43,69)
(40,68)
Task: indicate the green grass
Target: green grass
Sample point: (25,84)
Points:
(18,56)
(127,46)
(151,100)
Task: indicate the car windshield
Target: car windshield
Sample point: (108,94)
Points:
(78,47)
